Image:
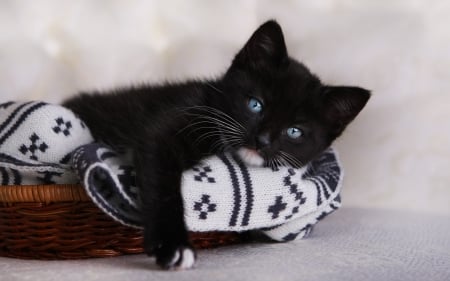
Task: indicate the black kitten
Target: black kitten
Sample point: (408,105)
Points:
(267,108)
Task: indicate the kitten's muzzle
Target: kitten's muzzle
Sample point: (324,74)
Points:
(262,141)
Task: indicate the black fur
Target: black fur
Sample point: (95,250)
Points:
(170,127)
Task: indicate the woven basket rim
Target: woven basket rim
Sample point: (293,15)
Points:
(43,193)
(60,221)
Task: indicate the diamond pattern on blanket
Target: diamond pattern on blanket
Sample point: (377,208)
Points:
(293,187)
(277,207)
(37,145)
(62,126)
(204,207)
(299,197)
(203,174)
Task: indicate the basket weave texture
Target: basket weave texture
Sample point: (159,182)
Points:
(61,222)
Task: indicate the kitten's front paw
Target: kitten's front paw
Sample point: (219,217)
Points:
(175,256)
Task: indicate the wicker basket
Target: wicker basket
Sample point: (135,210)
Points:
(61,222)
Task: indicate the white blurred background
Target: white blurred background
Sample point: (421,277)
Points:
(396,154)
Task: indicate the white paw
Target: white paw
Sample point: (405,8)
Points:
(183,258)
(187,259)
(174,259)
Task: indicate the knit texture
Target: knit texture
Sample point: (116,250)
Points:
(43,143)
(36,143)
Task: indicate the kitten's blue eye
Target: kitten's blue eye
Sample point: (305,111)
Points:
(294,133)
(255,105)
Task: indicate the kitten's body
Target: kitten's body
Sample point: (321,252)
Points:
(267,107)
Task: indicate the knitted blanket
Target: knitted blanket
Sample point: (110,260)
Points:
(42,143)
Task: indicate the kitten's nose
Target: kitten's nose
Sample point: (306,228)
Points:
(263,140)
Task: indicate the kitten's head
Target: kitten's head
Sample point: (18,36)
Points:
(282,112)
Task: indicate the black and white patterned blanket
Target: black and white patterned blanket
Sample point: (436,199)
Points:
(42,143)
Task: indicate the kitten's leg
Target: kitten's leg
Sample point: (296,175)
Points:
(165,234)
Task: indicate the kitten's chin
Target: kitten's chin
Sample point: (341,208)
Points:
(250,157)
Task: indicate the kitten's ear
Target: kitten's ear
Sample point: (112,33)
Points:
(266,45)
(342,104)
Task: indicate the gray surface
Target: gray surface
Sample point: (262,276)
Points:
(352,244)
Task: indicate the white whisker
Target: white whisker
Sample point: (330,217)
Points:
(291,160)
(217,113)
(216,124)
(214,87)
